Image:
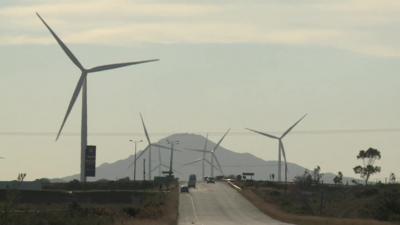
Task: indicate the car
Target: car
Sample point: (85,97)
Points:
(210,180)
(184,188)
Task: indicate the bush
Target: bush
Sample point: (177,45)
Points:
(387,206)
(131,211)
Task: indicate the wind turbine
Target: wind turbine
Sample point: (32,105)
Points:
(203,159)
(82,85)
(281,149)
(162,165)
(213,156)
(148,147)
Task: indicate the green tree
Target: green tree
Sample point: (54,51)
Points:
(305,180)
(338,179)
(317,175)
(392,178)
(367,169)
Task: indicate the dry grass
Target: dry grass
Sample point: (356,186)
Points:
(169,215)
(275,212)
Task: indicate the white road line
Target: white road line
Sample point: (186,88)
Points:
(196,219)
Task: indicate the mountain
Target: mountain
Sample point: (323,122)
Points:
(232,163)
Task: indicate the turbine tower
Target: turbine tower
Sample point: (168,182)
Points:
(213,156)
(82,85)
(148,147)
(281,149)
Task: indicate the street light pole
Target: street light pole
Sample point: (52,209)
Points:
(172,155)
(134,160)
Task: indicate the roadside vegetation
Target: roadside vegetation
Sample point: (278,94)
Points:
(97,203)
(308,201)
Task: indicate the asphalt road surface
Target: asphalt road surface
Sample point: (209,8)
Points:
(212,204)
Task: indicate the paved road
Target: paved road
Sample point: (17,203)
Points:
(220,204)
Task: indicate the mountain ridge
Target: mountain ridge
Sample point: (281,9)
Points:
(233,163)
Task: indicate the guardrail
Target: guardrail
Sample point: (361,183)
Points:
(233,185)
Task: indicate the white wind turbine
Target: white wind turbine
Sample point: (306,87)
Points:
(82,84)
(203,160)
(213,156)
(162,165)
(281,149)
(148,147)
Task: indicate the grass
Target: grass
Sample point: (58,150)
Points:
(339,209)
(102,207)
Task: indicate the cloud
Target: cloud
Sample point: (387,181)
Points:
(98,7)
(350,25)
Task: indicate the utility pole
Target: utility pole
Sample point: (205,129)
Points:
(172,156)
(134,161)
(144,169)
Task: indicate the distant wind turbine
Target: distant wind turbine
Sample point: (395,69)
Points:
(203,160)
(82,84)
(162,165)
(281,149)
(148,147)
(212,153)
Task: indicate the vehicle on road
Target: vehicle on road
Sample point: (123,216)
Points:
(210,180)
(184,188)
(192,181)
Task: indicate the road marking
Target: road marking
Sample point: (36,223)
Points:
(194,210)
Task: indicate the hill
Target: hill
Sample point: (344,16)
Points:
(232,162)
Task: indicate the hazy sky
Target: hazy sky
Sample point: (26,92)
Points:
(258,64)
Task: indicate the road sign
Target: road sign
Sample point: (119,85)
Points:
(90,161)
(248,174)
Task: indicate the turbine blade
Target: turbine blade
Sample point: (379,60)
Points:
(196,150)
(262,133)
(152,170)
(219,142)
(284,158)
(118,65)
(193,162)
(205,145)
(161,146)
(165,166)
(145,130)
(219,164)
(176,171)
(142,152)
(62,45)
(290,128)
(282,149)
(72,101)
(211,164)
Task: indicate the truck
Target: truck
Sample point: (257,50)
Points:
(192,181)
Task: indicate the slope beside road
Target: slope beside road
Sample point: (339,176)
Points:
(212,204)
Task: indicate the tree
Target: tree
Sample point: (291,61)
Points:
(272,176)
(305,180)
(367,169)
(392,178)
(338,179)
(317,175)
